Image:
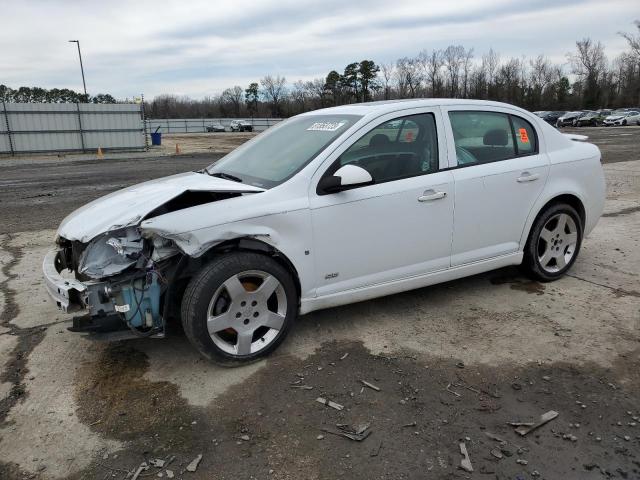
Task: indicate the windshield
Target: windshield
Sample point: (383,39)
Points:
(283,150)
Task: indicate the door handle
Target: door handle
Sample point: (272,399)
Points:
(528,177)
(431,195)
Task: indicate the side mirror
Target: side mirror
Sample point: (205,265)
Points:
(347,176)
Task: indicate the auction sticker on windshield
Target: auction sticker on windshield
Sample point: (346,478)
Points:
(326,126)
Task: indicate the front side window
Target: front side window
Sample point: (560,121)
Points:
(283,150)
(484,137)
(401,148)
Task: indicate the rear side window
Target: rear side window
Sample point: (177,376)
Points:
(484,137)
(525,136)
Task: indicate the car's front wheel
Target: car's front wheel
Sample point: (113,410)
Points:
(553,244)
(239,307)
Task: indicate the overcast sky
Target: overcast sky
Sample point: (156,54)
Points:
(199,47)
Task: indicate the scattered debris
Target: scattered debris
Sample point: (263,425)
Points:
(452,392)
(320,437)
(344,356)
(465,462)
(495,437)
(412,424)
(358,434)
(193,466)
(497,453)
(516,386)
(246,438)
(157,463)
(169,473)
(546,378)
(460,364)
(544,418)
(568,436)
(329,403)
(370,385)
(521,461)
(302,387)
(143,467)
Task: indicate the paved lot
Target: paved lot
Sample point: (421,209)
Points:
(453,362)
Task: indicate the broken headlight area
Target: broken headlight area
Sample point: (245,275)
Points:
(112,253)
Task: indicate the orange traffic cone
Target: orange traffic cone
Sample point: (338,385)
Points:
(177,149)
(100,154)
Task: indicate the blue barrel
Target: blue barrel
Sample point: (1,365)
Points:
(156,138)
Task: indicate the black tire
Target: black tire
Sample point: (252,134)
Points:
(530,263)
(624,123)
(207,281)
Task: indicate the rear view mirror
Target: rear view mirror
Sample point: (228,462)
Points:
(347,176)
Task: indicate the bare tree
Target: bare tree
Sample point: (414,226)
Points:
(467,65)
(453,58)
(234,96)
(633,40)
(491,63)
(589,63)
(274,89)
(387,75)
(432,65)
(409,76)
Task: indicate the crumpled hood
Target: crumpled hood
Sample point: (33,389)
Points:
(614,117)
(129,206)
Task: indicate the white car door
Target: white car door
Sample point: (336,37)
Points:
(399,226)
(499,172)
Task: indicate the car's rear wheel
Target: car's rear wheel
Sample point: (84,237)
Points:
(239,307)
(554,243)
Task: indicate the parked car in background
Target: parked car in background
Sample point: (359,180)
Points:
(621,118)
(241,126)
(328,208)
(551,117)
(540,113)
(216,127)
(569,117)
(591,119)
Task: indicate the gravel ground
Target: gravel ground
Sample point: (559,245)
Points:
(454,363)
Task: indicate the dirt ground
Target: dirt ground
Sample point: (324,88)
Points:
(454,362)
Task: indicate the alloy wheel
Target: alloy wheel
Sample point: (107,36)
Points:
(557,243)
(247,312)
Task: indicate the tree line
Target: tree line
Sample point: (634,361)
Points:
(587,80)
(55,95)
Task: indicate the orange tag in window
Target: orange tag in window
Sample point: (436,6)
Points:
(524,137)
(409,136)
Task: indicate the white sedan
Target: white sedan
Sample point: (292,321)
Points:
(622,119)
(328,208)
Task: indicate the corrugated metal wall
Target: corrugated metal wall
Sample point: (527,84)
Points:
(199,125)
(70,127)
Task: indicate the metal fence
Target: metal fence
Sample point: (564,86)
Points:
(199,125)
(70,127)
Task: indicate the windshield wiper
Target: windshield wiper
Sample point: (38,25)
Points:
(227,176)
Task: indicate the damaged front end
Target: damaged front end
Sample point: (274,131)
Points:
(119,277)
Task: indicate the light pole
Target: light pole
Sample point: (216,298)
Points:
(81,68)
